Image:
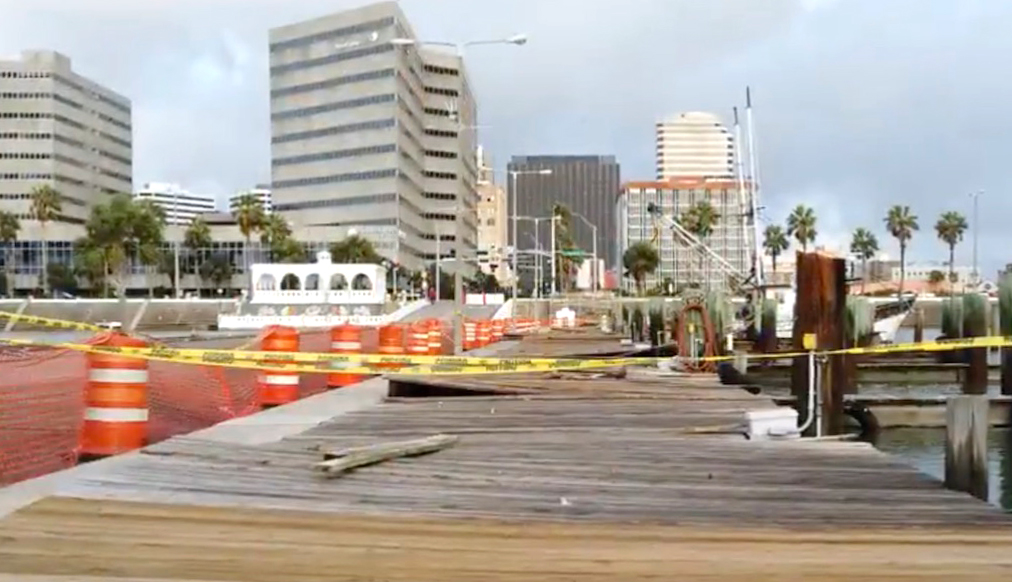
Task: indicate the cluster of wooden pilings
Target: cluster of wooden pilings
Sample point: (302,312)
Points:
(821,309)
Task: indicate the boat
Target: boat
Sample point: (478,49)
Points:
(889,313)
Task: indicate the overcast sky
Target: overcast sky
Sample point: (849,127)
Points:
(859,103)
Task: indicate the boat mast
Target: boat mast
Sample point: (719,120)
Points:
(754,188)
(744,255)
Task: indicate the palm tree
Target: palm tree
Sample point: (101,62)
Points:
(801,225)
(864,244)
(47,204)
(901,224)
(700,220)
(354,249)
(564,241)
(950,228)
(197,240)
(274,232)
(775,242)
(9,228)
(249,215)
(640,260)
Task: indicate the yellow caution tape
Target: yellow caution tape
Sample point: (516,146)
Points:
(48,322)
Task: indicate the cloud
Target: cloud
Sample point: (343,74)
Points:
(864,103)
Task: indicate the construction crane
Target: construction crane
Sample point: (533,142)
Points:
(739,281)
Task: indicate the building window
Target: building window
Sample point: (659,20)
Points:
(331,202)
(441,154)
(442,91)
(331,83)
(349,104)
(372,25)
(335,155)
(440,133)
(491,222)
(441,70)
(335,130)
(441,175)
(335,58)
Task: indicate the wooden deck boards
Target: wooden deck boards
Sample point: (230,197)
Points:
(579,478)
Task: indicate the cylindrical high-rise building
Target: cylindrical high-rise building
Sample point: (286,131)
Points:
(694,145)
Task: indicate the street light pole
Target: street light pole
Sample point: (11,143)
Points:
(516,238)
(593,270)
(976,231)
(175,246)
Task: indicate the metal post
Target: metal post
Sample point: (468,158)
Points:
(516,243)
(538,273)
(438,253)
(175,247)
(976,231)
(593,271)
(554,270)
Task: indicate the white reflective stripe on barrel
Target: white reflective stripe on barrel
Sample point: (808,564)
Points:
(279,379)
(346,345)
(116,414)
(118,375)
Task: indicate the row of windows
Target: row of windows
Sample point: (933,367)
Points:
(114,121)
(441,70)
(438,216)
(59,218)
(332,202)
(10,95)
(335,130)
(70,161)
(27,196)
(438,112)
(112,103)
(441,175)
(24,156)
(442,91)
(370,26)
(331,83)
(25,135)
(441,133)
(441,154)
(116,175)
(61,139)
(335,155)
(349,104)
(334,58)
(439,196)
(111,156)
(67,140)
(334,178)
(115,139)
(65,101)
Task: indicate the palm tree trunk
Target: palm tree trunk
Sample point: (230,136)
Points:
(45,260)
(903,267)
(864,274)
(249,275)
(952,263)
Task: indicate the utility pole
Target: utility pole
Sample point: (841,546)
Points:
(176,243)
(555,273)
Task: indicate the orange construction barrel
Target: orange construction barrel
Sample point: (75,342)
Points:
(484,333)
(391,343)
(345,339)
(435,343)
(470,335)
(276,387)
(498,329)
(116,401)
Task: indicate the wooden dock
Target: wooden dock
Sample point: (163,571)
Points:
(586,477)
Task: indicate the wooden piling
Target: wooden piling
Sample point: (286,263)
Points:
(918,326)
(820,308)
(975,325)
(1005,314)
(966,424)
(768,327)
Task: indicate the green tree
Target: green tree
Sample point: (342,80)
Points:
(801,225)
(10,226)
(640,260)
(47,205)
(775,242)
(950,229)
(217,269)
(901,224)
(197,240)
(935,277)
(354,249)
(250,217)
(115,232)
(274,232)
(566,264)
(148,215)
(288,250)
(61,277)
(91,264)
(864,244)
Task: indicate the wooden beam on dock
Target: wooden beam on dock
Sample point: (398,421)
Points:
(820,309)
(966,445)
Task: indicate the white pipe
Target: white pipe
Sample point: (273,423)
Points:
(754,185)
(811,394)
(739,169)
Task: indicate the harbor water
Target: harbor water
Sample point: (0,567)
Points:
(924,448)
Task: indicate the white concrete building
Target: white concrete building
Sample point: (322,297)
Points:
(694,145)
(922,272)
(181,206)
(261,192)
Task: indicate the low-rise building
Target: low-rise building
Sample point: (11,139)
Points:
(261,192)
(180,205)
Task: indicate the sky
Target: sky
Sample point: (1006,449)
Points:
(859,104)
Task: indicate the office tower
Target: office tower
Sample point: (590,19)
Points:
(261,192)
(60,129)
(694,145)
(587,185)
(731,237)
(492,221)
(373,136)
(181,206)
